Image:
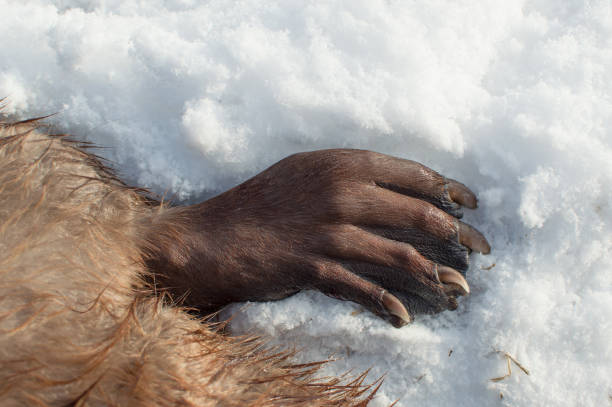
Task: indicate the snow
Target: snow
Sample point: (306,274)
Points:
(513,98)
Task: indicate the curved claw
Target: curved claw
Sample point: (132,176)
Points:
(461,194)
(453,280)
(397,309)
(472,238)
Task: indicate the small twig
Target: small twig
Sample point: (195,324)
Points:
(509,358)
(508,373)
(516,362)
(418,379)
(487,267)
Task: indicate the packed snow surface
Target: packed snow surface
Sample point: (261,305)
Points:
(514,98)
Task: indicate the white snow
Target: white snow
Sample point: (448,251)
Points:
(514,98)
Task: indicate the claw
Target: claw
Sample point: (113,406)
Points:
(473,239)
(461,194)
(453,280)
(396,308)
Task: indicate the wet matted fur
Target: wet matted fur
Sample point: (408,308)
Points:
(79,325)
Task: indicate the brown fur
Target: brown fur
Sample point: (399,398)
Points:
(79,325)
